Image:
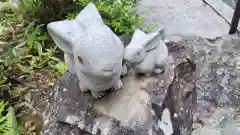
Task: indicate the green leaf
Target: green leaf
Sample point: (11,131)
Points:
(70,16)
(39,48)
(8,123)
(20,89)
(149,28)
(2,106)
(32,37)
(24,69)
(140,20)
(12,122)
(61,68)
(15,52)
(6,62)
(42,38)
(2,119)
(54,58)
(28,5)
(30,41)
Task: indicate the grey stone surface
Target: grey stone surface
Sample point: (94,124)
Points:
(222,122)
(130,105)
(217,68)
(183,17)
(67,107)
(181,97)
(232,126)
(122,112)
(71,111)
(216,77)
(215,84)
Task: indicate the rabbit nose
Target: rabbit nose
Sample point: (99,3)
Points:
(108,70)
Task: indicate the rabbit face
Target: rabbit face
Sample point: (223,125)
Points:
(99,67)
(134,55)
(98,52)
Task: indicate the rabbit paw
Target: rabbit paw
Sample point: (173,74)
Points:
(98,94)
(124,70)
(68,58)
(158,70)
(118,86)
(82,88)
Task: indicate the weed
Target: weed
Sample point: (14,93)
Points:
(26,54)
(119,15)
(28,60)
(8,122)
(149,28)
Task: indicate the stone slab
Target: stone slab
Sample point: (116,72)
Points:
(223,9)
(183,17)
(231,3)
(127,105)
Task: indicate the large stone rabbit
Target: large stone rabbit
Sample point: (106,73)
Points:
(91,50)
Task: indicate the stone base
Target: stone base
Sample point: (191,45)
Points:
(192,89)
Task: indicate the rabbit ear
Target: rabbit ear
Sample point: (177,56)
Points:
(139,34)
(63,33)
(153,39)
(89,12)
(138,39)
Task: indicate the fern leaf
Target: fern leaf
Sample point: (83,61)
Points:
(2,119)
(8,123)
(2,108)
(2,127)
(12,122)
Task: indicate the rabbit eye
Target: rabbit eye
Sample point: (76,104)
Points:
(138,53)
(80,59)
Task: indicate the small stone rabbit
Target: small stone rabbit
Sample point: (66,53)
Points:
(147,52)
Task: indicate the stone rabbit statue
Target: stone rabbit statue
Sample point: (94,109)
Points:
(91,50)
(147,53)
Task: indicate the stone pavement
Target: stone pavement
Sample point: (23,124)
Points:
(231,3)
(187,16)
